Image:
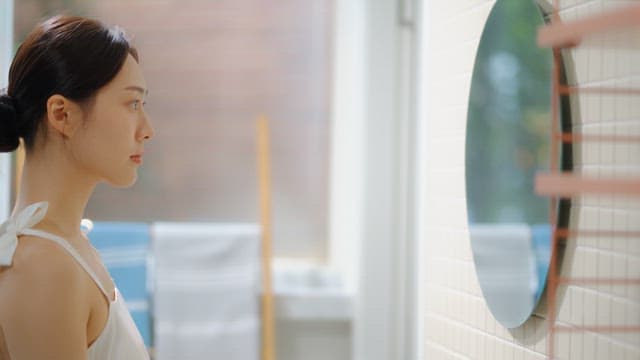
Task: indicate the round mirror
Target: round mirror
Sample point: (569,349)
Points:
(507,143)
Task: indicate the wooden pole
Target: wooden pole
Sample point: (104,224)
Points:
(19,165)
(264,167)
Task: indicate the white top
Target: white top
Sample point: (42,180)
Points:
(120,338)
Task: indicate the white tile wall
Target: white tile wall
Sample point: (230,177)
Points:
(457,322)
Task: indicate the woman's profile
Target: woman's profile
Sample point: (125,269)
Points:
(75,98)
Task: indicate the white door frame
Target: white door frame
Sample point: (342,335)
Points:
(376,173)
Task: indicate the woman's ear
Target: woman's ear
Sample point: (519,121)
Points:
(62,115)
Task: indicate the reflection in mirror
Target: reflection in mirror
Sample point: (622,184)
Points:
(507,142)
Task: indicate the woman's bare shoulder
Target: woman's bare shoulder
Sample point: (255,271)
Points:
(45,308)
(40,268)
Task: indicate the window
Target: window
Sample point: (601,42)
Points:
(212,69)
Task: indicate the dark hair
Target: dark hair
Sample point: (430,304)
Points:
(66,55)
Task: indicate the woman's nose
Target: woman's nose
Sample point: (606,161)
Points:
(147,130)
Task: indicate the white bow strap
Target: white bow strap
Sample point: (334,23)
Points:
(13,227)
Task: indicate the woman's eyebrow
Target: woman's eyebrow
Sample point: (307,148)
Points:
(139,89)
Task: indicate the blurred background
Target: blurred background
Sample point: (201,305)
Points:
(212,68)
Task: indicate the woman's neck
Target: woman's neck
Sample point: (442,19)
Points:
(65,187)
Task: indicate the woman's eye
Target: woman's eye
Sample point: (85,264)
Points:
(136,104)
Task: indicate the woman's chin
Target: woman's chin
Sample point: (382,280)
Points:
(123,183)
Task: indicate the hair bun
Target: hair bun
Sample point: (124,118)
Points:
(9,137)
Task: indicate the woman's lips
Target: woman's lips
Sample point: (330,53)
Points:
(137,159)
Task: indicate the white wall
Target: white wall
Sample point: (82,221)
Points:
(458,324)
(313,340)
(6,54)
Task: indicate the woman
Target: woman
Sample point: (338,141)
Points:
(75,97)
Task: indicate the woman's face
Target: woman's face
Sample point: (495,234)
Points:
(115,129)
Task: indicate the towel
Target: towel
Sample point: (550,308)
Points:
(206,277)
(506,267)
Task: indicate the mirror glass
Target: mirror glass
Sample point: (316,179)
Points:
(507,142)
